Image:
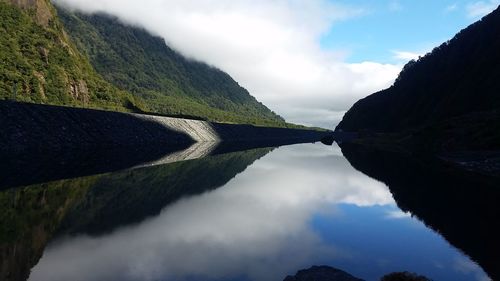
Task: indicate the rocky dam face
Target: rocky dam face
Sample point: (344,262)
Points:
(31,127)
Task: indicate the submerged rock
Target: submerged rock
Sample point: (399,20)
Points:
(328,273)
(404,276)
(322,273)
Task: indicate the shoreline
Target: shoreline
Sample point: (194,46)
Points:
(33,128)
(43,143)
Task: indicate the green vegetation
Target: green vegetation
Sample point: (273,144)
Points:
(39,64)
(170,84)
(29,217)
(112,66)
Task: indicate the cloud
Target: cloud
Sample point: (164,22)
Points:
(481,8)
(398,215)
(469,267)
(403,56)
(451,8)
(406,56)
(272,48)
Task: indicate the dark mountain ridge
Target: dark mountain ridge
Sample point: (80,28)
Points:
(458,79)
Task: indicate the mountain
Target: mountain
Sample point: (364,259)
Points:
(452,93)
(40,63)
(57,57)
(169,83)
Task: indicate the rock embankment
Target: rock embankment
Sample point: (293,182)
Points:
(32,127)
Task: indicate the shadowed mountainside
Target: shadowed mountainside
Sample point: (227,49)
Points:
(443,101)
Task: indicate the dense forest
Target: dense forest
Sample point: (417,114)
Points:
(169,83)
(64,58)
(455,86)
(40,64)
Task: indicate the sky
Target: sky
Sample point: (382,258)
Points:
(307,60)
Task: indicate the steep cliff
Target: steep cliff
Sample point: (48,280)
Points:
(41,65)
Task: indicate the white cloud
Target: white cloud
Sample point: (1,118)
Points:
(469,267)
(272,48)
(481,8)
(407,56)
(451,8)
(398,215)
(403,56)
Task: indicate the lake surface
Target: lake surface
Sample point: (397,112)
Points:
(260,214)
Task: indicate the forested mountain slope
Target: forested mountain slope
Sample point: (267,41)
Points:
(144,65)
(57,57)
(456,85)
(40,64)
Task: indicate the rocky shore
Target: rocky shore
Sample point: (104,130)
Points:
(31,127)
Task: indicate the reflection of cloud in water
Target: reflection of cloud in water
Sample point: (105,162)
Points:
(257,225)
(466,266)
(398,214)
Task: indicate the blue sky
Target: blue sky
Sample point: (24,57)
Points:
(385,27)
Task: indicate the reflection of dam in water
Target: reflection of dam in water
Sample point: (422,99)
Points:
(195,151)
(28,169)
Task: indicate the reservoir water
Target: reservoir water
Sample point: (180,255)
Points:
(259,214)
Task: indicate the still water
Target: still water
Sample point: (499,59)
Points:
(260,214)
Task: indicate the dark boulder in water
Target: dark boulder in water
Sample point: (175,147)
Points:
(322,273)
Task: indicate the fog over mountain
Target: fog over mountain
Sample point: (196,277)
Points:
(272,48)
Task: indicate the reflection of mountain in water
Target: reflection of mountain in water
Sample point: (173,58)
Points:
(30,216)
(130,196)
(462,207)
(35,168)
